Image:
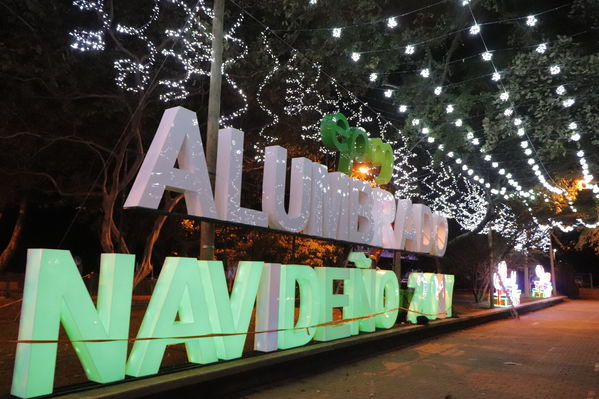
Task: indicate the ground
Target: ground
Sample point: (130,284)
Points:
(553,353)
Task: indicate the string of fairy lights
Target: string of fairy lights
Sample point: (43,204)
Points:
(303,95)
(192,53)
(504,96)
(527,145)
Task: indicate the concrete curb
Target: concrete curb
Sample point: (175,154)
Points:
(215,379)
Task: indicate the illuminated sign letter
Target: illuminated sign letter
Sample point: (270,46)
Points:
(307,281)
(386,298)
(329,300)
(267,308)
(440,235)
(319,192)
(54,292)
(177,139)
(383,215)
(404,224)
(227,190)
(273,190)
(351,142)
(230,315)
(178,291)
(433,295)
(336,207)
(360,212)
(381,154)
(361,288)
(422,219)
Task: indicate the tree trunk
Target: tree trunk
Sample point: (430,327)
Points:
(11,247)
(146,263)
(492,269)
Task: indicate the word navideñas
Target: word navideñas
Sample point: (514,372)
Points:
(322,204)
(191,305)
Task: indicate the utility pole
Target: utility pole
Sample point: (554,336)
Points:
(397,264)
(206,228)
(552,262)
(491,269)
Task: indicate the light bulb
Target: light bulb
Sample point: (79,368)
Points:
(554,69)
(403,108)
(374,76)
(531,20)
(415,122)
(425,73)
(336,32)
(458,122)
(572,126)
(474,29)
(517,121)
(425,130)
(449,109)
(496,76)
(521,132)
(508,112)
(355,57)
(541,48)
(487,56)
(575,137)
(504,96)
(560,90)
(410,49)
(568,103)
(392,22)
(438,90)
(388,93)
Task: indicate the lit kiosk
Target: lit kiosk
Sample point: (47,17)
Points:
(505,287)
(543,286)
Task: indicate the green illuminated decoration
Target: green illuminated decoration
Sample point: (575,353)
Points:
(449,282)
(386,298)
(360,260)
(179,291)
(361,288)
(54,293)
(307,281)
(191,305)
(329,300)
(381,154)
(353,144)
(433,295)
(230,315)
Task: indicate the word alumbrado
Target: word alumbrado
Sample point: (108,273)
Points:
(191,305)
(322,204)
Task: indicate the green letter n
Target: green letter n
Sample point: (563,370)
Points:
(54,293)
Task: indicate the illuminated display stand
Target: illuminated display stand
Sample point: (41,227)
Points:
(509,283)
(543,286)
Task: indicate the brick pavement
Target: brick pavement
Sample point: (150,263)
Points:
(553,353)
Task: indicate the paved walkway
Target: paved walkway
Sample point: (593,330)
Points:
(553,353)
